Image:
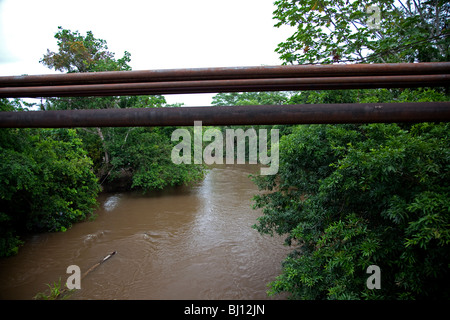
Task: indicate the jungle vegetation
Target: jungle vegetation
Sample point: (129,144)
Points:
(349,196)
(50,178)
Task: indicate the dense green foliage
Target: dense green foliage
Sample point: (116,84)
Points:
(341,31)
(47,182)
(350,196)
(144,155)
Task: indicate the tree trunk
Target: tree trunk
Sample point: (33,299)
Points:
(100,134)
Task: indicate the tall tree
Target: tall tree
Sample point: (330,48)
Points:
(124,157)
(78,53)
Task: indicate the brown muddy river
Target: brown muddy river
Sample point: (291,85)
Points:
(184,243)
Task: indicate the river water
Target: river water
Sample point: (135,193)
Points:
(191,242)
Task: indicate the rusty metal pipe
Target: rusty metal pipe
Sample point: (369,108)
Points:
(197,74)
(237,115)
(235,85)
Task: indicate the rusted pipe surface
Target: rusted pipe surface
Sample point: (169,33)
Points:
(236,115)
(196,74)
(235,85)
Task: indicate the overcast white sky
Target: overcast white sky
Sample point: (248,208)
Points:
(159,34)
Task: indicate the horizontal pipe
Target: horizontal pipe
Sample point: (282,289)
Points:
(215,86)
(199,74)
(236,115)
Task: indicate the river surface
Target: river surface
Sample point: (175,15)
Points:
(191,242)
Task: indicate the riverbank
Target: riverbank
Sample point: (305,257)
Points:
(179,243)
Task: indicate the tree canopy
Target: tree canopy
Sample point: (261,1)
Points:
(383,31)
(78,53)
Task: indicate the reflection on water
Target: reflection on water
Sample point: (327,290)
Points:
(184,243)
